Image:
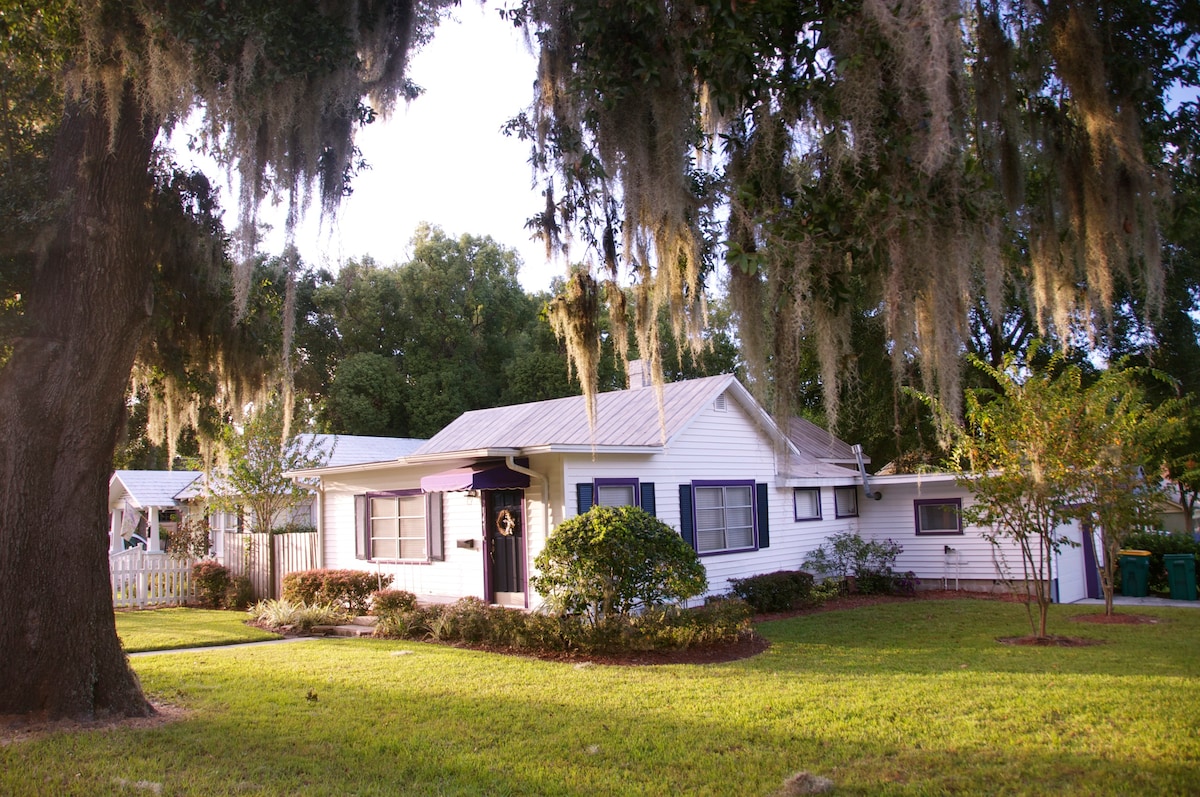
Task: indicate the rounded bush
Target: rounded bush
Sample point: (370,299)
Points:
(212,580)
(612,561)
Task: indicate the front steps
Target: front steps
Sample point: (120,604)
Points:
(358,627)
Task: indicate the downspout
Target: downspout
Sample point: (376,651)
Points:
(320,524)
(862,469)
(511,464)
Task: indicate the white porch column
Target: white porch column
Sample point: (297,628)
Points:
(152,543)
(115,543)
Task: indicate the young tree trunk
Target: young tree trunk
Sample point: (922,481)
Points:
(61,397)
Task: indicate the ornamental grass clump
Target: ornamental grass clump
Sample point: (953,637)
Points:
(286,615)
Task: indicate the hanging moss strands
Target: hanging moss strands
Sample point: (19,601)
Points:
(901,156)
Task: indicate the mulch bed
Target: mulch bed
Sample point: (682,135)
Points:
(749,645)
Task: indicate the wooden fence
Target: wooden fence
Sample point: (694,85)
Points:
(266,558)
(141,579)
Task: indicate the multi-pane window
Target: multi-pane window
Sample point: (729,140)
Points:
(845,501)
(938,516)
(398,527)
(724,517)
(807,503)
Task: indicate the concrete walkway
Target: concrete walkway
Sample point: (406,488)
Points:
(283,641)
(1121,600)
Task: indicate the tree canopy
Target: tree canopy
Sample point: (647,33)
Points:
(908,157)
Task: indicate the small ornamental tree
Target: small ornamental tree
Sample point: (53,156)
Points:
(612,561)
(257,457)
(1117,432)
(1046,449)
(1015,455)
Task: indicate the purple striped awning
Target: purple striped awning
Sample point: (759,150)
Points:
(481,476)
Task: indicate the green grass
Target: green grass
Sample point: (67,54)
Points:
(165,629)
(909,698)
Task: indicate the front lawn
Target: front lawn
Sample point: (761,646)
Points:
(164,629)
(906,698)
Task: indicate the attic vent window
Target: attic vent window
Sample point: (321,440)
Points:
(719,405)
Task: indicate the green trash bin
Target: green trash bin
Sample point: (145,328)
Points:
(1181,575)
(1135,573)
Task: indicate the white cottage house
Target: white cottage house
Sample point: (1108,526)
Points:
(467,513)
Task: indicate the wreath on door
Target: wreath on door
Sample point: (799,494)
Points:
(506,523)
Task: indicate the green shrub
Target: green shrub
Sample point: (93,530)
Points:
(776,592)
(212,580)
(239,594)
(348,589)
(612,561)
(295,528)
(392,601)
(1160,543)
(867,565)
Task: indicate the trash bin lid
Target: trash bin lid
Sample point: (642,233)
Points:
(1133,552)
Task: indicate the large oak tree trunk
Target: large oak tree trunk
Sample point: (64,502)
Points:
(61,397)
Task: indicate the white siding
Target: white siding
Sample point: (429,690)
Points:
(1070,567)
(892,517)
(718,445)
(974,559)
(461,573)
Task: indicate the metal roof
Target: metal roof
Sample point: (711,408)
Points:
(350,449)
(145,488)
(625,419)
(805,466)
(820,444)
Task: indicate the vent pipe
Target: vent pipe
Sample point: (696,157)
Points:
(862,469)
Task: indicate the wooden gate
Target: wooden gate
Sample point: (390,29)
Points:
(266,558)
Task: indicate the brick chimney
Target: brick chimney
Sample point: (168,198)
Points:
(638,372)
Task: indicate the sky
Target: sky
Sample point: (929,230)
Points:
(442,159)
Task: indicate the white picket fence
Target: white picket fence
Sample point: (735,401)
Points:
(142,579)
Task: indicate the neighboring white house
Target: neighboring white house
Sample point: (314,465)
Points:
(146,503)
(142,504)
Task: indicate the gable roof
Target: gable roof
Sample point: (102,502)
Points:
(626,420)
(145,488)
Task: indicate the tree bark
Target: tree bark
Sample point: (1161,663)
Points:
(61,405)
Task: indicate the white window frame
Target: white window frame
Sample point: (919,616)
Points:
(406,502)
